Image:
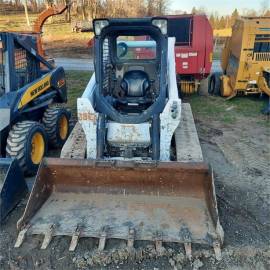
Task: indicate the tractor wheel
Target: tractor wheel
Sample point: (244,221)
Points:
(56,122)
(214,84)
(27,142)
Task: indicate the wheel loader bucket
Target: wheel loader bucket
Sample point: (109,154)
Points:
(156,201)
(12,186)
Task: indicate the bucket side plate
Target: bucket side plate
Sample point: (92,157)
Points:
(12,186)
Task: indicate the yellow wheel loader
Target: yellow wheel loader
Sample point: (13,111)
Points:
(132,168)
(245,60)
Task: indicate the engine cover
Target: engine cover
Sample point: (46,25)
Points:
(131,135)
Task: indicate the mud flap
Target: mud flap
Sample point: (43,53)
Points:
(156,201)
(12,186)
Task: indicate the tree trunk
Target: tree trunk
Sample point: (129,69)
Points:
(84,15)
(26,12)
(68,12)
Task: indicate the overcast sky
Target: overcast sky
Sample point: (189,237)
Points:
(222,6)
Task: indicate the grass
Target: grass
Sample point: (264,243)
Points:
(59,34)
(229,112)
(15,22)
(52,30)
(208,107)
(76,83)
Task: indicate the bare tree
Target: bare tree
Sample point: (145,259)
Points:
(249,13)
(264,7)
(156,7)
(17,3)
(34,5)
(68,13)
(26,12)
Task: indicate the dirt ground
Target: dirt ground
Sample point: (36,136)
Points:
(239,153)
(70,47)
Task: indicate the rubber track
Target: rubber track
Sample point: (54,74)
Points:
(75,146)
(188,148)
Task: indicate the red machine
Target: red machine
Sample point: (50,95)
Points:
(193,49)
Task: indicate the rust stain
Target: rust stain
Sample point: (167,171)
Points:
(122,195)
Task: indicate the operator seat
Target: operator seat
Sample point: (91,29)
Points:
(135,83)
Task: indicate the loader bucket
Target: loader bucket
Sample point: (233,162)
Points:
(12,186)
(156,201)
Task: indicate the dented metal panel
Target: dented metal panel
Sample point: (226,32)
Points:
(128,134)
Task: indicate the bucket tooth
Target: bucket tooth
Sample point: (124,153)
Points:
(21,237)
(47,237)
(75,239)
(131,237)
(102,239)
(217,250)
(158,242)
(159,246)
(188,250)
(174,202)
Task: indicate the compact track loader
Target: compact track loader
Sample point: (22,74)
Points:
(30,116)
(132,168)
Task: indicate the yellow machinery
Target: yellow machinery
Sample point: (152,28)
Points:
(245,60)
(224,32)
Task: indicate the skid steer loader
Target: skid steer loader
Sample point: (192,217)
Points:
(132,168)
(30,117)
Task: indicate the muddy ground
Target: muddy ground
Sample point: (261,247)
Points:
(240,156)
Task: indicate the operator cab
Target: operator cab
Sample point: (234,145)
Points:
(130,67)
(136,68)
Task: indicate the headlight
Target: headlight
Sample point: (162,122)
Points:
(99,25)
(161,24)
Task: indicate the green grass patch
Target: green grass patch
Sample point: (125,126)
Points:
(76,83)
(208,107)
(229,111)
(53,29)
(16,22)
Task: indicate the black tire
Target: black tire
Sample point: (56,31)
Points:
(52,123)
(214,84)
(20,145)
(266,110)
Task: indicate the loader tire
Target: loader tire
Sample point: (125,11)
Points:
(27,142)
(214,84)
(56,123)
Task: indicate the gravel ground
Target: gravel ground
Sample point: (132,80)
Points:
(239,154)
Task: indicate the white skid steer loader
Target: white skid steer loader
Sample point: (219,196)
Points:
(132,168)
